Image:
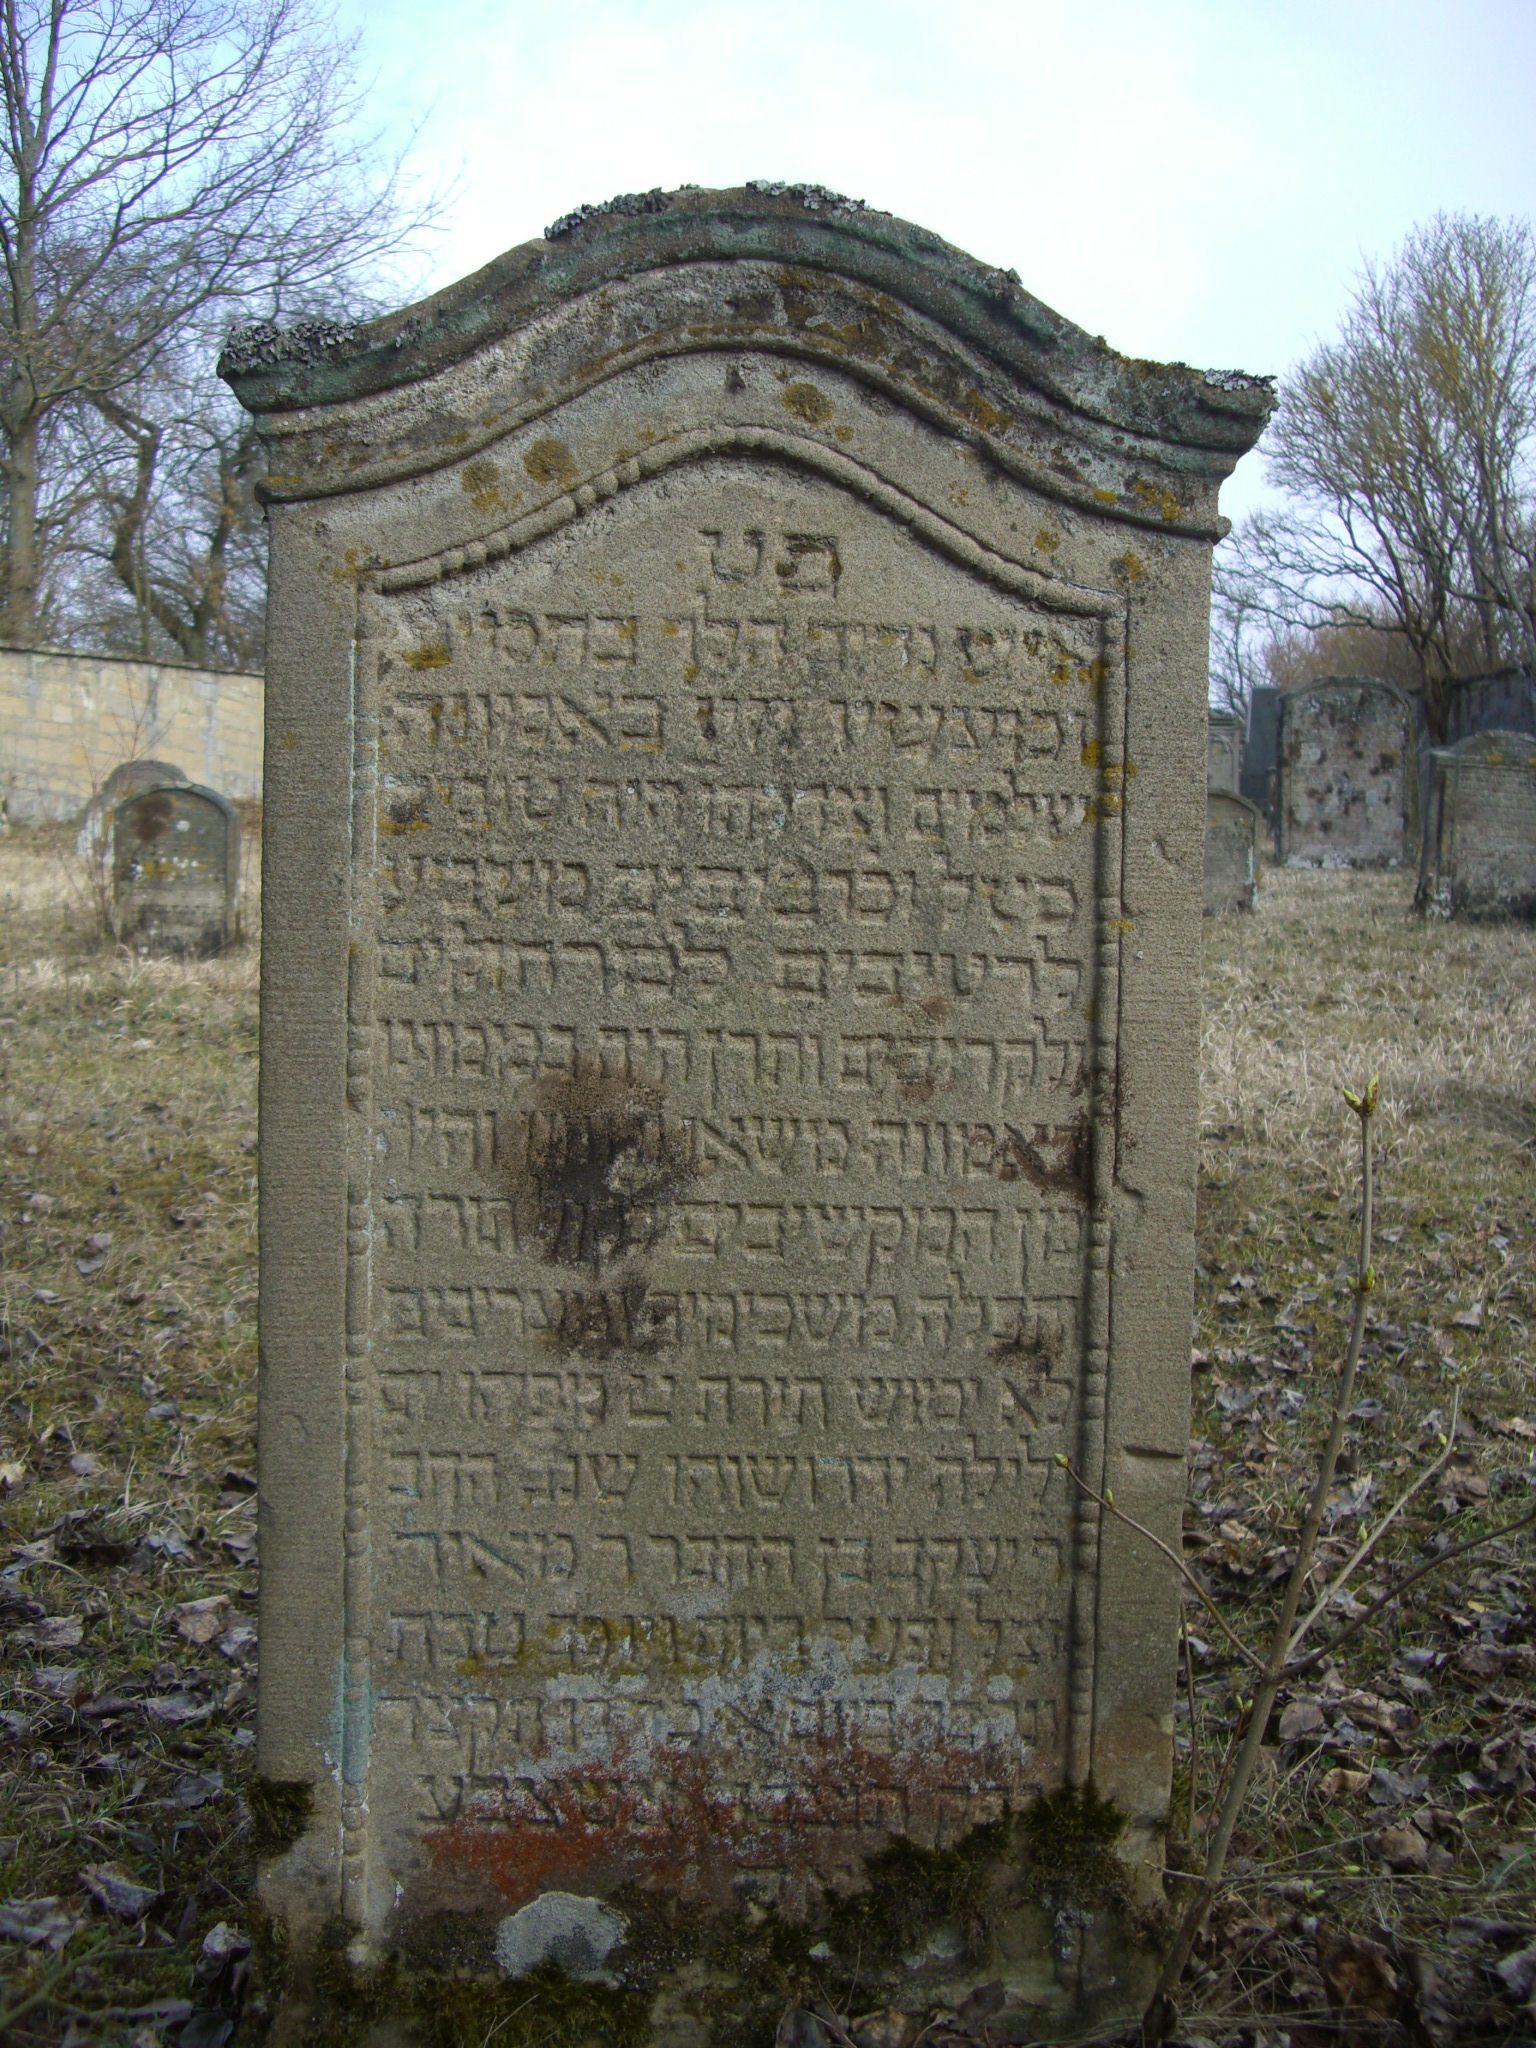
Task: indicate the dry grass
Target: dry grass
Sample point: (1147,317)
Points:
(126,1410)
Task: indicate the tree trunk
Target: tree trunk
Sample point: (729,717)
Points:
(18,620)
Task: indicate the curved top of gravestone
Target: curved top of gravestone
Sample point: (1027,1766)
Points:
(803,227)
(1494,748)
(1338,686)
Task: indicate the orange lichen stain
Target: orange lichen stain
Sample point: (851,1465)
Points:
(435,656)
(479,482)
(550,462)
(1106,497)
(1047,540)
(1092,752)
(672,1823)
(1159,497)
(1122,924)
(808,403)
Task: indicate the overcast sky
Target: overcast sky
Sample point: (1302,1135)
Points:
(1196,180)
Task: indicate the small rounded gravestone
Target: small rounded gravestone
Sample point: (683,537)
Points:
(175,871)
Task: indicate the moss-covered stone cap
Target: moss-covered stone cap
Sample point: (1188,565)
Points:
(319,363)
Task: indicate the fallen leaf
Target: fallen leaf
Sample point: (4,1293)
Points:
(199,1621)
(59,1631)
(59,1679)
(1517,1973)
(38,1920)
(1340,1782)
(174,1708)
(12,1473)
(116,1892)
(884,2029)
(1402,1849)
(196,1788)
(1301,1717)
(1356,1974)
(1470,1318)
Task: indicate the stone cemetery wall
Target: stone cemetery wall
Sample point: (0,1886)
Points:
(67,720)
(728,1091)
(1224,751)
(1347,784)
(1479,855)
(175,853)
(1231,853)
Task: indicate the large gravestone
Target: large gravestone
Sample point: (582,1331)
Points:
(1224,750)
(1348,788)
(1231,853)
(1479,854)
(175,870)
(736,696)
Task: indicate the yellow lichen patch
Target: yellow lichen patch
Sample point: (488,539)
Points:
(1092,751)
(1128,568)
(959,495)
(550,462)
(479,482)
(1106,497)
(435,656)
(1048,540)
(843,433)
(808,403)
(1159,497)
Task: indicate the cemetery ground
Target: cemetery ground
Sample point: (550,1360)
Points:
(1383,1881)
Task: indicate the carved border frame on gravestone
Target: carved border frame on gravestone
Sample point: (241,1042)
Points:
(1016,581)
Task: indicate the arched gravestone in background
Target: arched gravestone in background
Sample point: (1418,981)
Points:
(1479,855)
(1231,852)
(1224,750)
(734,809)
(1348,787)
(175,870)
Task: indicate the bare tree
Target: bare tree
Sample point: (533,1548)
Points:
(1409,448)
(162,163)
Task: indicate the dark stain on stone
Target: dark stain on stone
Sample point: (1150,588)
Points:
(607,1322)
(593,1165)
(1034,1344)
(1059,1163)
(152,816)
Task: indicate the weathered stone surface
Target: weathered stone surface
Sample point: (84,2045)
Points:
(93,837)
(736,689)
(1348,793)
(1479,854)
(1224,750)
(1231,853)
(175,870)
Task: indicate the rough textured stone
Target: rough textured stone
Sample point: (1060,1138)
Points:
(1348,785)
(1223,750)
(560,1927)
(737,676)
(175,870)
(1231,853)
(1479,854)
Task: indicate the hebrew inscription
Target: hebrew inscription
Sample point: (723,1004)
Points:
(729,1047)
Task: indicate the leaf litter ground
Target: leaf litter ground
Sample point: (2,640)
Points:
(1384,1881)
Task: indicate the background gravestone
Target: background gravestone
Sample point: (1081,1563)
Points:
(1224,750)
(1347,785)
(728,1095)
(175,870)
(1231,853)
(94,832)
(1479,855)
(1260,749)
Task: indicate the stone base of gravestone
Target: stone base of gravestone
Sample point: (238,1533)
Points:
(1479,853)
(175,854)
(1231,853)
